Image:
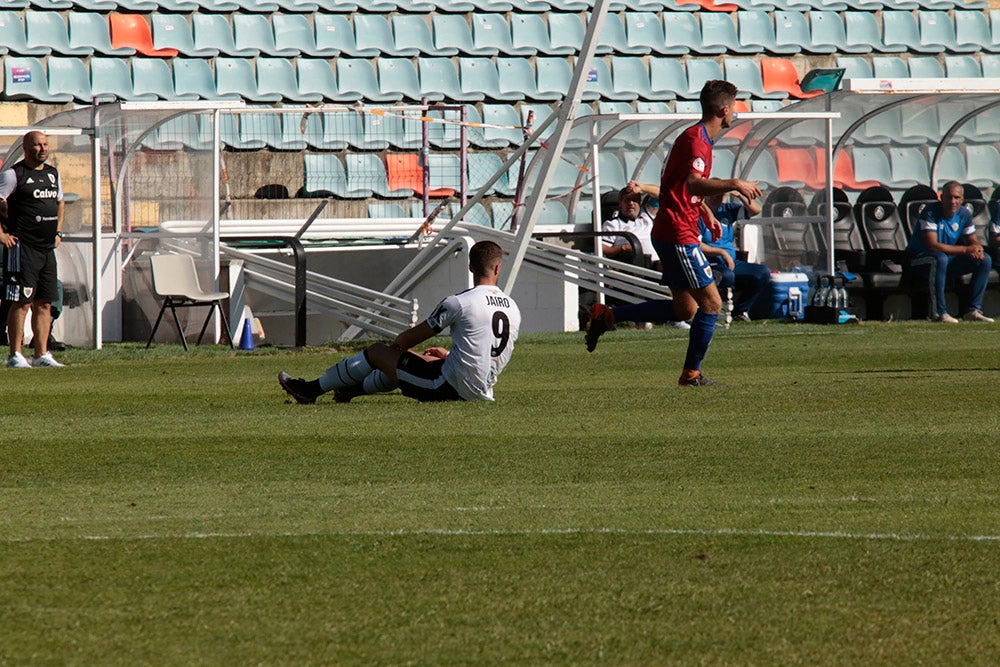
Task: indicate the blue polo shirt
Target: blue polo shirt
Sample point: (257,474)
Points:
(948,230)
(727,215)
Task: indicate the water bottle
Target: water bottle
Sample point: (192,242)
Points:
(819,297)
(831,294)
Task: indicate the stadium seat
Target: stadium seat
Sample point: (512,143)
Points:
(316,78)
(699,71)
(44,5)
(387,128)
(175,280)
(517,78)
(25,78)
(925,67)
(366,172)
(855,67)
(862,31)
(277,76)
(212,32)
(446,135)
(502,125)
(452,30)
(376,6)
(48,30)
(439,80)
(13,39)
(553,77)
(972,30)
(744,73)
(111,77)
(797,168)
(533,115)
(631,78)
(951,165)
(871,164)
(193,79)
(792,34)
(779,74)
(258,6)
(297,130)
(69,76)
(983,165)
(667,78)
(399,75)
(445,173)
(890,67)
(908,166)
(91,5)
(648,171)
(600,84)
(405,172)
(254,31)
(962,67)
(830,35)
(614,39)
(177,133)
(90,30)
(300,6)
(723,163)
(491,31)
(334,33)
(340,130)
(414,6)
(294,32)
(325,175)
(644,30)
(502,212)
(358,76)
(132,31)
(249,131)
(900,29)
(881,226)
(475,135)
(236,75)
(528,31)
(757,30)
(717,34)
(920,126)
(153,77)
(482,74)
(219,6)
(373,31)
(172,31)
(682,32)
(566,32)
(937,30)
(412,31)
(843,173)
(382,209)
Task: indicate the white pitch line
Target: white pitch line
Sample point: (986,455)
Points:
(500,532)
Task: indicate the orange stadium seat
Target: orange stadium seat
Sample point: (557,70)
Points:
(779,75)
(404,172)
(710,5)
(132,31)
(843,173)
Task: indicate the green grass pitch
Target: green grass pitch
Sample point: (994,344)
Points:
(837,502)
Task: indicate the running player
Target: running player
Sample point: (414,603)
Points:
(484,324)
(684,182)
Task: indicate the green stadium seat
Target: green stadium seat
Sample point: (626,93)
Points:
(908,166)
(316,77)
(193,79)
(481,167)
(517,79)
(667,78)
(341,130)
(863,31)
(644,30)
(566,32)
(399,75)
(131,30)
(13,39)
(355,75)
(295,32)
(900,29)
(236,76)
(871,164)
(972,29)
(212,32)
(439,79)
(855,67)
(792,34)
(90,30)
(373,31)
(277,76)
(366,172)
(630,77)
(983,165)
(528,31)
(890,67)
(70,76)
(937,30)
(336,7)
(601,84)
(300,6)
(491,31)
(25,78)
(699,71)
(952,165)
(253,31)
(291,136)
(111,77)
(48,30)
(553,76)
(414,6)
(412,31)
(453,31)
(716,35)
(335,33)
(174,32)
(153,77)
(258,6)
(615,40)
(502,122)
(481,74)
(375,6)
(248,131)
(757,30)
(830,36)
(966,67)
(744,73)
(925,67)
(324,173)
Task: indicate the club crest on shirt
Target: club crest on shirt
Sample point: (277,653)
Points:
(698,164)
(954,226)
(28,291)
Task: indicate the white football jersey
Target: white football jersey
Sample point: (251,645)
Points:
(484,325)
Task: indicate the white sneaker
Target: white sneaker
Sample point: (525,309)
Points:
(945,318)
(680,325)
(46,360)
(17,360)
(976,316)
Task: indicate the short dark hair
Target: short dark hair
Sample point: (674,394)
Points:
(716,94)
(953,184)
(483,256)
(625,194)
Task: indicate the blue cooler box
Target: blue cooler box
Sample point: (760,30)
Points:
(785,300)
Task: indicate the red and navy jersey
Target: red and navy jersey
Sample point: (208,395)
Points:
(677,220)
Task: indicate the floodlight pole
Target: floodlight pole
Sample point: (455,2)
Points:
(556,143)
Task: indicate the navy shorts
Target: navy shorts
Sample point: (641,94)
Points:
(30,274)
(422,380)
(684,266)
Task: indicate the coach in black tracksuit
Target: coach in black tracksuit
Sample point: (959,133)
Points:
(31,210)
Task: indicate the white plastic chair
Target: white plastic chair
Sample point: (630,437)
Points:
(176,281)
